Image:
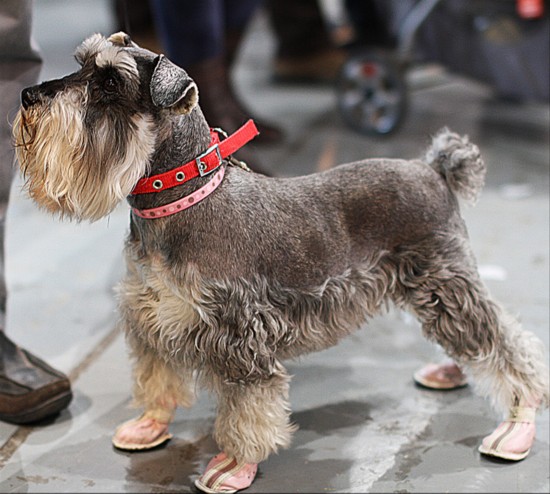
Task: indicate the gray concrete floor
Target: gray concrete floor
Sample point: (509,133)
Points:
(364,426)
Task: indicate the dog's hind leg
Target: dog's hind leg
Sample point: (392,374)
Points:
(158,389)
(252,422)
(507,363)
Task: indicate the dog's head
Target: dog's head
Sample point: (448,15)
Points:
(83,141)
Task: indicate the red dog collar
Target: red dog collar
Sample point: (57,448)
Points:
(185,202)
(203,164)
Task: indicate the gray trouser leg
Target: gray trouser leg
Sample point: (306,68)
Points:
(19,67)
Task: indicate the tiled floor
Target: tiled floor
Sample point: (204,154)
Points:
(364,426)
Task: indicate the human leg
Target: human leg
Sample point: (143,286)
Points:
(304,49)
(30,389)
(196,37)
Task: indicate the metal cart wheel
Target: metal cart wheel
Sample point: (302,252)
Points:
(371,92)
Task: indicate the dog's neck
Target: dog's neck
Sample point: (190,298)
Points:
(179,140)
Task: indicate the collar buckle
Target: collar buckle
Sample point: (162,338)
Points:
(201,163)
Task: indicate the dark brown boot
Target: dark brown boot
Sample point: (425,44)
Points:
(220,105)
(233,39)
(305,51)
(30,390)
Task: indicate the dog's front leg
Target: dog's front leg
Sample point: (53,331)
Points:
(158,389)
(252,422)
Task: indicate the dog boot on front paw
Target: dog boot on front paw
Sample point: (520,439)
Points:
(513,438)
(226,475)
(145,432)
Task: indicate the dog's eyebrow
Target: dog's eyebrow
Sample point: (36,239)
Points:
(116,57)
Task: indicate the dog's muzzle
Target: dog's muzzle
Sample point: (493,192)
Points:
(43,92)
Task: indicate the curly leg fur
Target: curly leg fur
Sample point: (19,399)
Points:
(159,381)
(515,371)
(506,362)
(253,419)
(157,387)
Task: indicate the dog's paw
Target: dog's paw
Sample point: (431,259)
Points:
(226,475)
(144,432)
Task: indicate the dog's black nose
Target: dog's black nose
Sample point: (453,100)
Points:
(29,97)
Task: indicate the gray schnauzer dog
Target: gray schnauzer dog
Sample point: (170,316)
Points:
(229,273)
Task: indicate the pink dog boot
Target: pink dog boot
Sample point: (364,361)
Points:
(513,438)
(446,375)
(145,432)
(226,475)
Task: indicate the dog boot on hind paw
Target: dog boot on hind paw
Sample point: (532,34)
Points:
(226,475)
(145,432)
(513,438)
(446,375)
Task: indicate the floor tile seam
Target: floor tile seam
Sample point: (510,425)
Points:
(21,434)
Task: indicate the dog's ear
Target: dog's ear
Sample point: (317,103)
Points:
(172,88)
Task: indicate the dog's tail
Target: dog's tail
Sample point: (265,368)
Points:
(459,162)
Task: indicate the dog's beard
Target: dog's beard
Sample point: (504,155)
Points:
(76,171)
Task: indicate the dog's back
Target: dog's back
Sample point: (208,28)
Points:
(300,231)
